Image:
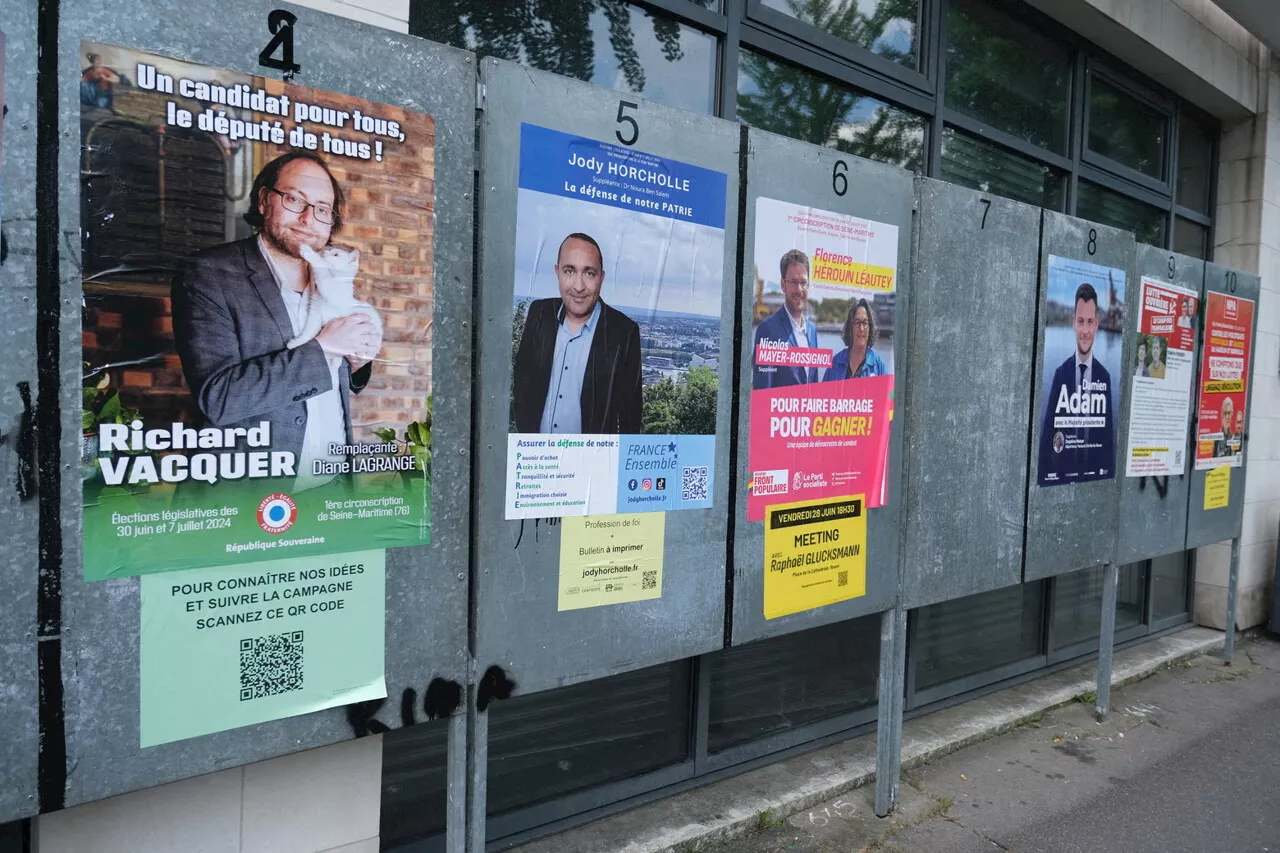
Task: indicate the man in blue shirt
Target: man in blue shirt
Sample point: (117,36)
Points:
(787,325)
(577,369)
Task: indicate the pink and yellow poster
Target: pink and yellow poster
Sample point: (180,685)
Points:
(822,356)
(1224,381)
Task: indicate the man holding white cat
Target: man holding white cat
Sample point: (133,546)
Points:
(259,329)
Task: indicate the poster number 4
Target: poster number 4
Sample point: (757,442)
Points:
(280,22)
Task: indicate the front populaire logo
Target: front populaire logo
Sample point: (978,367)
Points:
(277,513)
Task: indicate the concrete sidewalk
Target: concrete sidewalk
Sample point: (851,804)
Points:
(821,800)
(1188,761)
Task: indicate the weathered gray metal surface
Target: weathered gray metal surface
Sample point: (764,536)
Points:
(1218,525)
(517,625)
(1153,509)
(1106,640)
(974,296)
(426,586)
(1233,593)
(19,516)
(1073,526)
(800,173)
(892,700)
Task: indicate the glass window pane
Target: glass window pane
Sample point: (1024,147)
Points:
(1005,74)
(985,167)
(1111,208)
(413,782)
(788,681)
(796,103)
(1077,604)
(972,635)
(1125,129)
(606,42)
(1190,238)
(886,27)
(546,745)
(1195,164)
(1169,585)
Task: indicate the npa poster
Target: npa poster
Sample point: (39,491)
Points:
(814,554)
(256,319)
(1079,393)
(611,559)
(229,647)
(1224,381)
(822,356)
(1163,371)
(615,330)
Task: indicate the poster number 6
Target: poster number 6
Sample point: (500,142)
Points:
(839,183)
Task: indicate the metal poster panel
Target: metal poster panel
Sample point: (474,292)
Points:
(959,447)
(19,510)
(1163,306)
(272,329)
(825,302)
(603,374)
(1222,395)
(1073,491)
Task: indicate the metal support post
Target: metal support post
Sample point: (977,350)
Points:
(477,773)
(893,660)
(1106,639)
(456,785)
(1233,591)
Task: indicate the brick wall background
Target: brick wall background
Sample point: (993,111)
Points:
(389,217)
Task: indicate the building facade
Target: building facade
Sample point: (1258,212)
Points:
(1160,117)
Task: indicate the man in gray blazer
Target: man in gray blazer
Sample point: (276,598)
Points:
(236,307)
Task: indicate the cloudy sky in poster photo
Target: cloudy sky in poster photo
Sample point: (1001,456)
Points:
(650,262)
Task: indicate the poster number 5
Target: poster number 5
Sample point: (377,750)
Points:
(280,22)
(623,118)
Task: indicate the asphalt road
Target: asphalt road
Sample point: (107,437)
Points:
(1189,762)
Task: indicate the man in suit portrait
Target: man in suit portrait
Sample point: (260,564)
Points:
(788,325)
(237,306)
(1080,393)
(577,369)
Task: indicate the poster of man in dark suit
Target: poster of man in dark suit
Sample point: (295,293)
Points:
(1078,426)
(578,366)
(237,307)
(788,325)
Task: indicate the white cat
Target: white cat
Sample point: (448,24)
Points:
(333,273)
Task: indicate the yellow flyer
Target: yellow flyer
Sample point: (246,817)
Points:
(814,554)
(1217,488)
(610,559)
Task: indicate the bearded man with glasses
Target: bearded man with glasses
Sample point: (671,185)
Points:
(789,326)
(237,306)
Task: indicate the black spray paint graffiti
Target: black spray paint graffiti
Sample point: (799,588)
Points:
(1161,484)
(550,522)
(441,700)
(24,445)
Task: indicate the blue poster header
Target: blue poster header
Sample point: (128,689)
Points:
(603,173)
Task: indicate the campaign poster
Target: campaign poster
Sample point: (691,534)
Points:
(228,647)
(823,325)
(815,554)
(1079,395)
(611,559)
(1224,381)
(256,324)
(1163,371)
(615,350)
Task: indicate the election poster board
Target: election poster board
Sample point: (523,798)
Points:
(823,332)
(1163,370)
(616,317)
(1224,381)
(257,272)
(272,640)
(1079,387)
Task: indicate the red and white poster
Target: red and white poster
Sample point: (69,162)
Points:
(1163,372)
(1224,380)
(822,356)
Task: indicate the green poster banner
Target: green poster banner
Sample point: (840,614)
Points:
(256,324)
(233,646)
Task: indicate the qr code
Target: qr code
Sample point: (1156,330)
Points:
(1177,457)
(693,484)
(649,579)
(270,665)
(842,578)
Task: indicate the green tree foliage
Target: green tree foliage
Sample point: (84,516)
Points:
(684,408)
(553,35)
(799,104)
